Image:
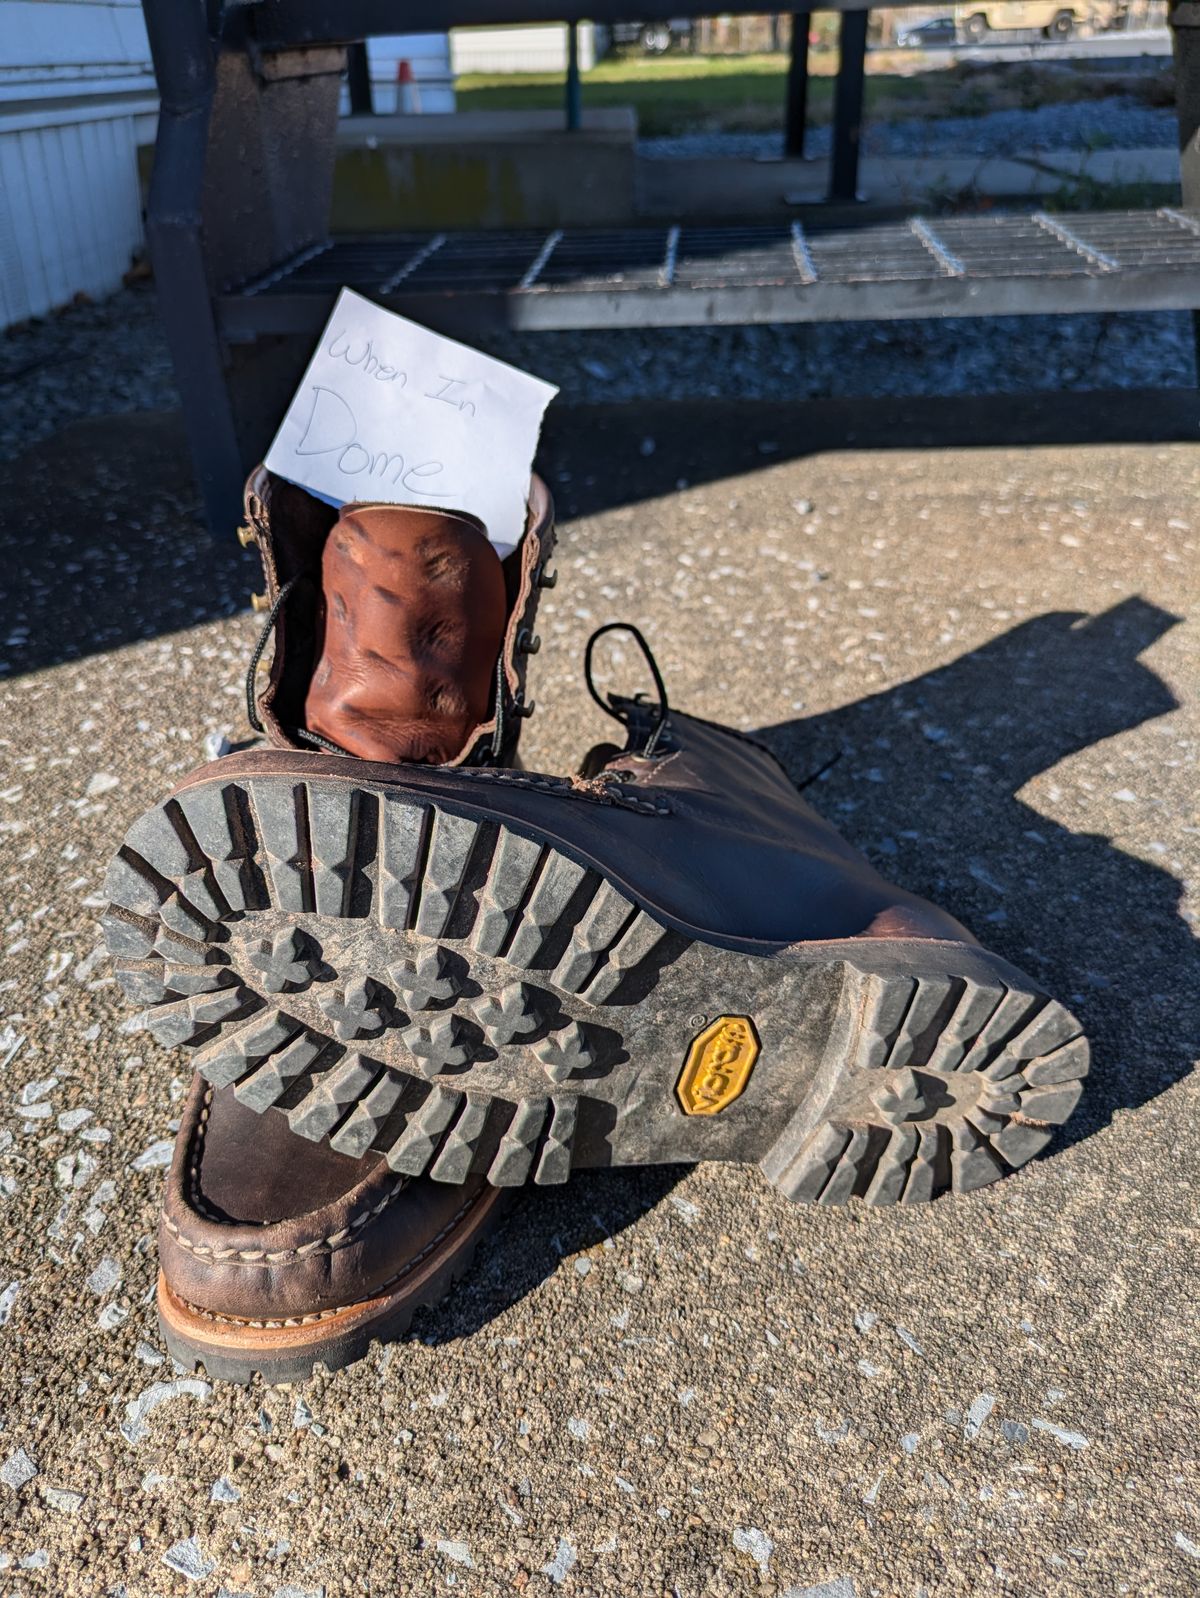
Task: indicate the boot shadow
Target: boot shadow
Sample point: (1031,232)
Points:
(544,1226)
(925,777)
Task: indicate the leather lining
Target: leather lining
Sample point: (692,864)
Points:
(290,528)
(410,619)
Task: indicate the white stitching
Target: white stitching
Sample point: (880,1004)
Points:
(331,1244)
(325,1314)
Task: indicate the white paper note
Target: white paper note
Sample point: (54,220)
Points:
(389,411)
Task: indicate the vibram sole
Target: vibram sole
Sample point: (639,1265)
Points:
(401,973)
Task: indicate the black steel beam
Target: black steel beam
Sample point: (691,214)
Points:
(1185,41)
(796,112)
(185,70)
(574,90)
(848,106)
(279,23)
(358,77)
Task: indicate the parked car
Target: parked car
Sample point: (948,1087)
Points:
(1052,18)
(938,33)
(652,38)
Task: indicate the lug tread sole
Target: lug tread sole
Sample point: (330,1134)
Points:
(459,998)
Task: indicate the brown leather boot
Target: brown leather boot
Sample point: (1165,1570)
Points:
(400,635)
(399,632)
(277,1255)
(673,957)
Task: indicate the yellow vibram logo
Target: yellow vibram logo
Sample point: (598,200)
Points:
(718,1065)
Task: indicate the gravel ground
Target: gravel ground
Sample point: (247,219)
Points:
(955,356)
(110,358)
(1116,122)
(668,1382)
(86,360)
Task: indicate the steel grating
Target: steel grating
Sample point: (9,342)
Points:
(776,272)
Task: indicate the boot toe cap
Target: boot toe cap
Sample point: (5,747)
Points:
(261,1226)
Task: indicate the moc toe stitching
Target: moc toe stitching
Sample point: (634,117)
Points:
(389,1283)
(302,1263)
(195,1200)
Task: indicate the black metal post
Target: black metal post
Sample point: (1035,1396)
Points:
(796,115)
(848,105)
(358,76)
(574,89)
(1184,18)
(185,69)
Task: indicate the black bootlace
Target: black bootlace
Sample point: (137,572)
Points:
(272,617)
(617,705)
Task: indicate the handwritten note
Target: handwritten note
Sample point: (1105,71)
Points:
(388,410)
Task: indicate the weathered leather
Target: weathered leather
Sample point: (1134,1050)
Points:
(828,888)
(387,645)
(710,836)
(410,620)
(290,528)
(258,1224)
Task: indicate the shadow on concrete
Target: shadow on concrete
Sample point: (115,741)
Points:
(926,777)
(102,543)
(544,1226)
(599,456)
(102,540)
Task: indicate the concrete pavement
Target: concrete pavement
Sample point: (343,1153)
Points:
(666,1381)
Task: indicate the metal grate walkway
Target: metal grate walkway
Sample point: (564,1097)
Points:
(785,272)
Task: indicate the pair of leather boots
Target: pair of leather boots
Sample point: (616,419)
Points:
(414,976)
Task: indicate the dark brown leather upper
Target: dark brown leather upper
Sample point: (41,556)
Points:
(410,621)
(259,1224)
(290,528)
(730,778)
(710,836)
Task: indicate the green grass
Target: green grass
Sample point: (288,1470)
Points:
(745,94)
(681,94)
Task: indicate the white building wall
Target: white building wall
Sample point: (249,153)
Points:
(76,98)
(540,47)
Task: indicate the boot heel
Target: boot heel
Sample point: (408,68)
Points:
(935,1082)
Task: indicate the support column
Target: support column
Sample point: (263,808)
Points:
(186,74)
(574,88)
(796,113)
(847,105)
(1184,19)
(359,79)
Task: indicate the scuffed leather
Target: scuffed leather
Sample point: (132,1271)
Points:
(259,1225)
(840,893)
(411,617)
(712,837)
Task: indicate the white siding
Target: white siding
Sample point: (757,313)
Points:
(539,48)
(76,99)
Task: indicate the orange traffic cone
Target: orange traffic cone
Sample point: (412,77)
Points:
(408,96)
